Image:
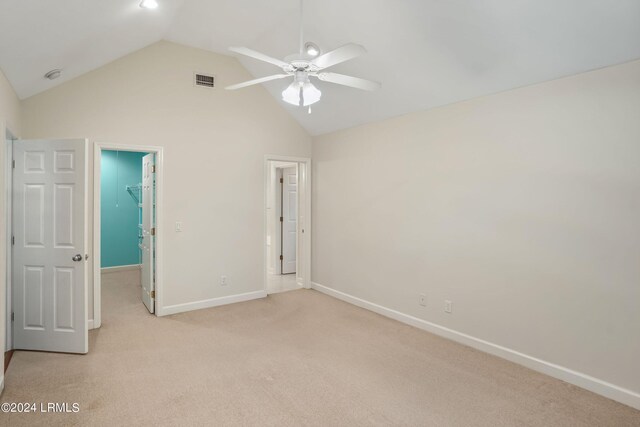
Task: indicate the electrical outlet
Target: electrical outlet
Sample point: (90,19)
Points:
(223,281)
(422,300)
(178,226)
(448,306)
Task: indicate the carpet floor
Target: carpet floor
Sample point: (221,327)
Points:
(294,358)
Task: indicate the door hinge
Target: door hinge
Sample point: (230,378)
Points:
(13,316)
(153,231)
(281,180)
(153,294)
(13,240)
(153,169)
(13,164)
(281,219)
(281,257)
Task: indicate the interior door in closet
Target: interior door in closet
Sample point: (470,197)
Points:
(148,232)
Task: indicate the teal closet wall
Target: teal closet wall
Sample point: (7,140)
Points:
(118,210)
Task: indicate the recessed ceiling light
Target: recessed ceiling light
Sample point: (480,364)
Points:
(311,49)
(53,74)
(149,4)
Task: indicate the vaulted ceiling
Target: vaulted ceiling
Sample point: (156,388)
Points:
(426,53)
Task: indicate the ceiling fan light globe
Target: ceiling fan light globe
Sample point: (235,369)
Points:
(310,94)
(149,4)
(291,95)
(311,49)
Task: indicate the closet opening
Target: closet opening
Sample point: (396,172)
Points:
(126,212)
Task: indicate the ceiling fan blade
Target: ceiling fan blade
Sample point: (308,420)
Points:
(256,81)
(341,54)
(259,56)
(356,82)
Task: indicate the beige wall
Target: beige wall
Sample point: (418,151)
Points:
(9,119)
(523,208)
(9,106)
(214,145)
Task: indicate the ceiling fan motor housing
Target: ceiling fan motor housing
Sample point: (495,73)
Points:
(300,62)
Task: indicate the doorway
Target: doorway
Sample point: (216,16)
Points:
(286,201)
(127,224)
(287,210)
(127,240)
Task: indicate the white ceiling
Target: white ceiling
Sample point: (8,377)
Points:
(426,53)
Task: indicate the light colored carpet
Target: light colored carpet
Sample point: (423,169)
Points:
(294,358)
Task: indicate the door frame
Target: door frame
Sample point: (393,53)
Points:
(304,251)
(8,137)
(99,147)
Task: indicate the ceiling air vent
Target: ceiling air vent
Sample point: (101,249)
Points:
(204,80)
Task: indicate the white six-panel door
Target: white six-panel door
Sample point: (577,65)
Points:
(289,219)
(148,237)
(49,230)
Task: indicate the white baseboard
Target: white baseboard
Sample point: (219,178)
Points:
(120,268)
(612,391)
(208,303)
(90,324)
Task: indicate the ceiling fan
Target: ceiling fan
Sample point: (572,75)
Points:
(305,64)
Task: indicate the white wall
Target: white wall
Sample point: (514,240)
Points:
(9,118)
(523,208)
(214,145)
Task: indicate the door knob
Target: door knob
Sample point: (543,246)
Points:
(77,257)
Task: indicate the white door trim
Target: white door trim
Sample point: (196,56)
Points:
(7,344)
(5,320)
(304,253)
(159,237)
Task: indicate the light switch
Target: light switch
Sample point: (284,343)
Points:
(178,226)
